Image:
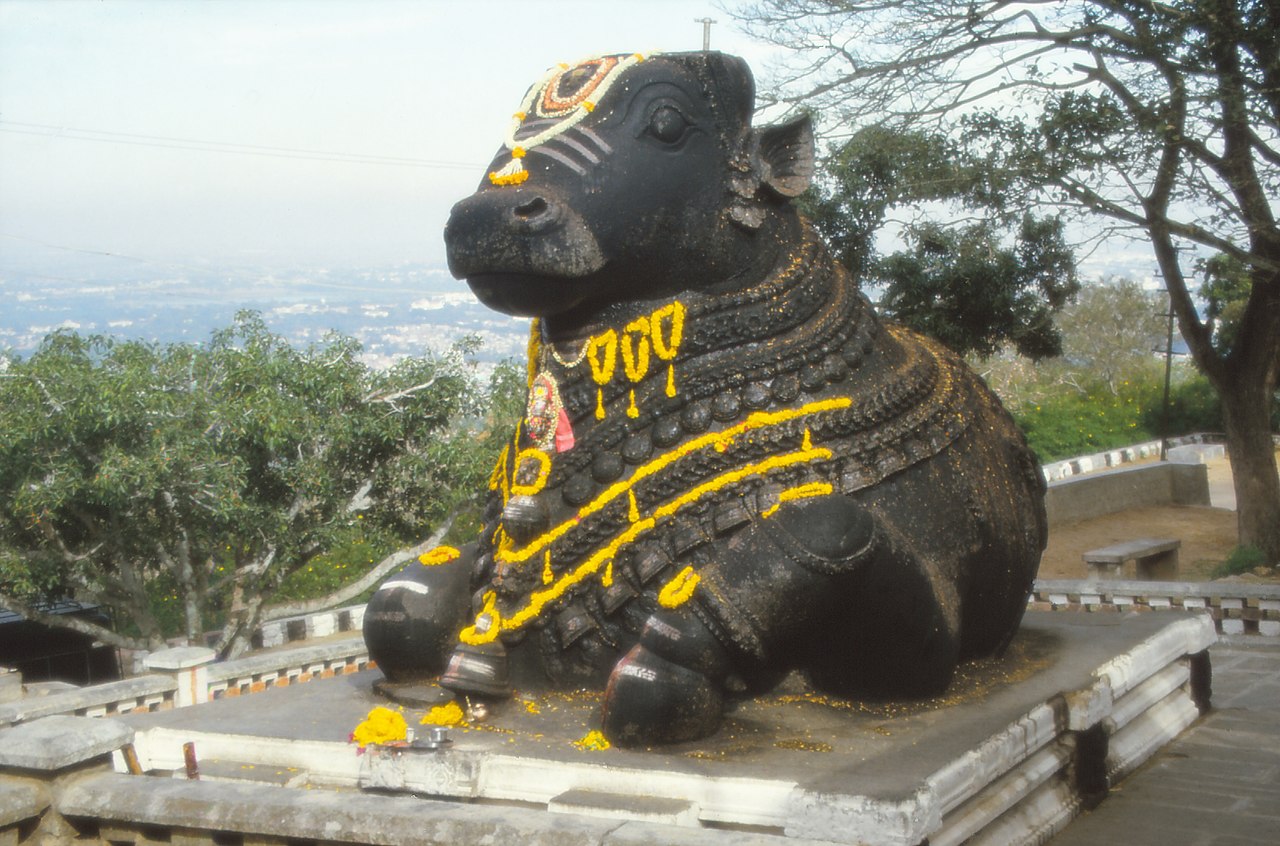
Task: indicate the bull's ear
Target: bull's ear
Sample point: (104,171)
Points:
(785,155)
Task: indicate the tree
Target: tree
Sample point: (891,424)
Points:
(131,474)
(1111,334)
(1157,119)
(870,174)
(1225,291)
(962,287)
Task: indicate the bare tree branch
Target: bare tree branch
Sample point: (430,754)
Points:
(368,580)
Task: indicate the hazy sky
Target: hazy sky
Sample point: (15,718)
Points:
(124,124)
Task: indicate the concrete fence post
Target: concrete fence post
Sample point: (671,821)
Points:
(189,667)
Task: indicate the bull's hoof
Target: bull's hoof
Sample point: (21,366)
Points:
(478,671)
(651,701)
(412,621)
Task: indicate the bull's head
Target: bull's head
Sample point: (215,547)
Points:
(628,178)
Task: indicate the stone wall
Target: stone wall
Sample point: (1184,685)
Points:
(1237,608)
(1092,495)
(189,675)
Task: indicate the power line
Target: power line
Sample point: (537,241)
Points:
(200,145)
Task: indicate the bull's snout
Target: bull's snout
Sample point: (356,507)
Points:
(522,232)
(536,214)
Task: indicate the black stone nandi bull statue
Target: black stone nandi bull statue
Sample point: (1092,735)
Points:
(730,468)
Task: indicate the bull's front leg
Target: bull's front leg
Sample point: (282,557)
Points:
(751,618)
(412,622)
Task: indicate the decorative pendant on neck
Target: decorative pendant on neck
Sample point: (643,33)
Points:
(629,354)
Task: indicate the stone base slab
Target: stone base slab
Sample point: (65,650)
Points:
(1012,752)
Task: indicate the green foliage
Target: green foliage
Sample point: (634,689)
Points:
(1225,291)
(961,286)
(508,389)
(871,173)
(147,478)
(1066,422)
(1071,424)
(1241,560)
(1110,333)
(341,563)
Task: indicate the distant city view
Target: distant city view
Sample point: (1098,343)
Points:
(394,311)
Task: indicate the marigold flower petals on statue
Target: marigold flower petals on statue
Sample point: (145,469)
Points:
(439,555)
(679,590)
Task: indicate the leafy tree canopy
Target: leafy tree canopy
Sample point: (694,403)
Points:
(962,287)
(213,472)
(1225,290)
(962,284)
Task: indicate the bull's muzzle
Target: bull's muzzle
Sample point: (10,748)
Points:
(520,231)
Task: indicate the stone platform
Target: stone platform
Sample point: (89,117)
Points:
(1015,750)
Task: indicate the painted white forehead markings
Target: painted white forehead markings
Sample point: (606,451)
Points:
(591,134)
(578,147)
(554,154)
(545,100)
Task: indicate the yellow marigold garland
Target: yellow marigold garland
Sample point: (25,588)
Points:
(666,349)
(544,468)
(719,440)
(799,492)
(635,357)
(533,353)
(602,368)
(477,634)
(439,555)
(679,590)
(498,478)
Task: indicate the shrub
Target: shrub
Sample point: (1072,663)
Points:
(1242,559)
(1080,423)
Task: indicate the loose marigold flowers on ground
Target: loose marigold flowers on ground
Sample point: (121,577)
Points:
(444,715)
(382,725)
(593,741)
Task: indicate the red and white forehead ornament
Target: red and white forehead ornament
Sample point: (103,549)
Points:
(566,92)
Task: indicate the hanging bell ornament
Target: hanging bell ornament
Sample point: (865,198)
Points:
(524,518)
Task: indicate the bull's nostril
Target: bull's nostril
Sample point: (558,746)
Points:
(534,208)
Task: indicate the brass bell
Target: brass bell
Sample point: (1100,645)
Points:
(524,518)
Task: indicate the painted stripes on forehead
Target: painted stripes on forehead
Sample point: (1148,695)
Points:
(577,148)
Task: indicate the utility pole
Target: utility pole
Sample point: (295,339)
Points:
(706,32)
(1168,363)
(1168,371)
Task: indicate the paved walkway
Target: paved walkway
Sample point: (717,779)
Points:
(1222,489)
(1218,784)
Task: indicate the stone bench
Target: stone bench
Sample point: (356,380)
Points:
(1153,558)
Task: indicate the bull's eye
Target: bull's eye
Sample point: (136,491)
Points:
(667,124)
